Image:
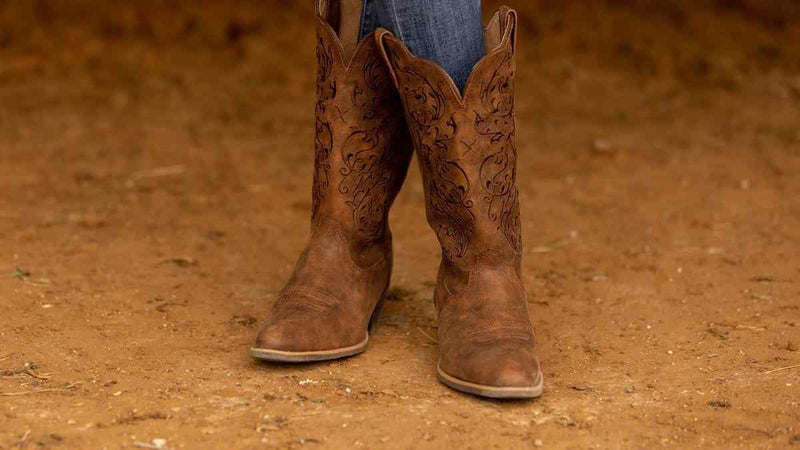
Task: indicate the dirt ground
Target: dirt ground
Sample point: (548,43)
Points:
(155,168)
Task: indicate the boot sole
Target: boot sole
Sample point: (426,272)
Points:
(490,391)
(311,356)
(267,354)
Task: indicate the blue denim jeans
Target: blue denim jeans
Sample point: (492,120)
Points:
(447,32)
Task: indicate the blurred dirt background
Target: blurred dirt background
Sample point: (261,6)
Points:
(155,167)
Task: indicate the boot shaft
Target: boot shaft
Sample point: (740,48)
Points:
(466,145)
(362,147)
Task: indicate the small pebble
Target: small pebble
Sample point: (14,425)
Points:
(601,146)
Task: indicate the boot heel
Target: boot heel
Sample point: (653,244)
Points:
(376,315)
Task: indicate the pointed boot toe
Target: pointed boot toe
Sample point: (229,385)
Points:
(290,341)
(494,372)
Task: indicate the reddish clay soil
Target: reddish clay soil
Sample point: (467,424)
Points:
(155,167)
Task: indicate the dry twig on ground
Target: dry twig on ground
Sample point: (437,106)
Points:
(37,391)
(782,368)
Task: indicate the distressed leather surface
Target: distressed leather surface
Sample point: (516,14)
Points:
(362,153)
(467,153)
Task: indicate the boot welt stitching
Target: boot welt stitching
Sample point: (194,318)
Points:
(499,332)
(290,308)
(320,301)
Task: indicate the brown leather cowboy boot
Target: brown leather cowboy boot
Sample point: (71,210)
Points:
(363,150)
(468,157)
